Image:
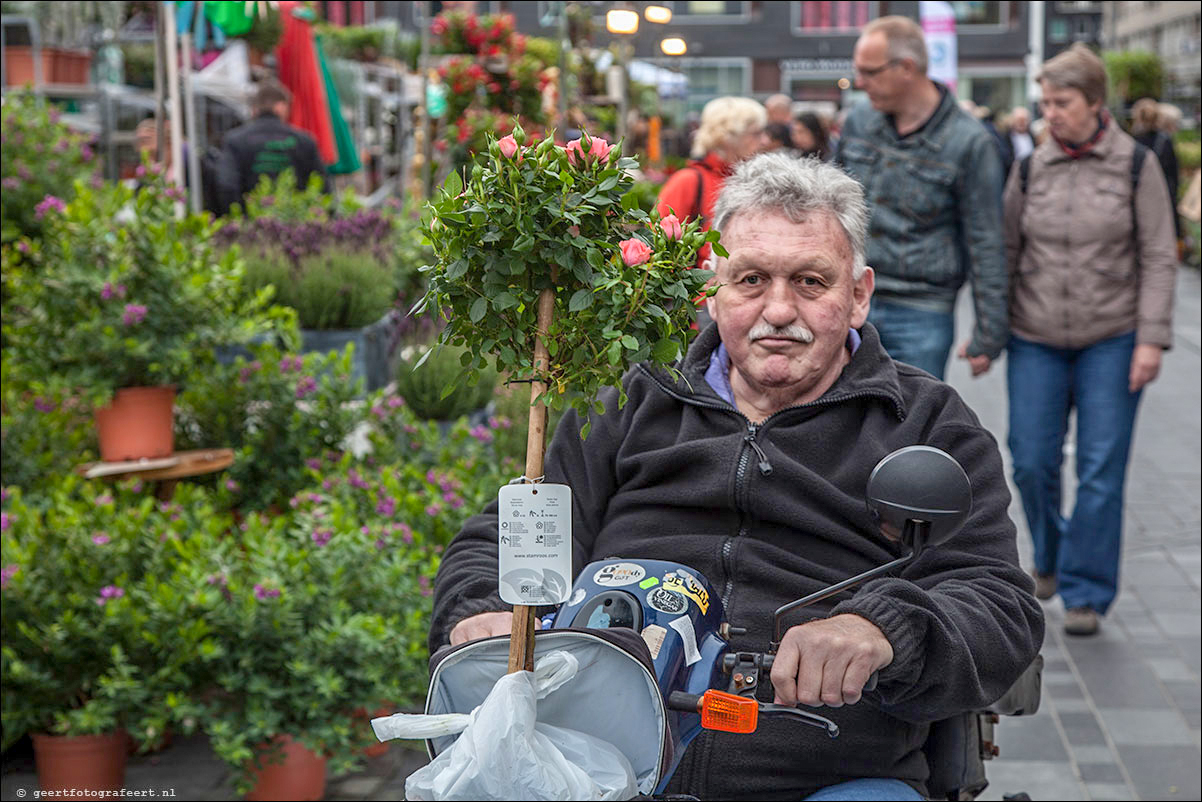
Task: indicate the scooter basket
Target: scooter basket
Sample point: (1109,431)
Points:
(614,695)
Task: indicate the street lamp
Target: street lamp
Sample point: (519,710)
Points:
(658,14)
(622,20)
(673,46)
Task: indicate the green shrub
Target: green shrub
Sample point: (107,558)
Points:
(122,293)
(331,290)
(425,385)
(1189,158)
(277,411)
(39,157)
(1134,74)
(101,624)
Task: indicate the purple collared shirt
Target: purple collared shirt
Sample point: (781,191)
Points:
(718,373)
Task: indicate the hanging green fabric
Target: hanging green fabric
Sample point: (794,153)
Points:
(232,18)
(348,158)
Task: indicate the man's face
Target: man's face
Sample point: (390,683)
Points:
(884,79)
(787,301)
(1020,120)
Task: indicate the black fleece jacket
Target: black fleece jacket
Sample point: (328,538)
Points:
(675,475)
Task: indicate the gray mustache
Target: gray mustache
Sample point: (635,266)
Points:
(799,333)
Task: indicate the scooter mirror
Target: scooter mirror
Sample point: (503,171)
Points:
(919,495)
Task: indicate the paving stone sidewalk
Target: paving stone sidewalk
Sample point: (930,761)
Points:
(1120,712)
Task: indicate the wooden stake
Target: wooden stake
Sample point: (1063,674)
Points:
(521,638)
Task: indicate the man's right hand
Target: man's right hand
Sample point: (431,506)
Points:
(485,625)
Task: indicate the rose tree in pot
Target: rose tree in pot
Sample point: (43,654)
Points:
(120,294)
(547,266)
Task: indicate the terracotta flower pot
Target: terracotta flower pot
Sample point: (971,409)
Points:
(137,424)
(361,718)
(300,775)
(83,762)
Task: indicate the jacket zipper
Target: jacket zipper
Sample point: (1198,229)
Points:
(697,770)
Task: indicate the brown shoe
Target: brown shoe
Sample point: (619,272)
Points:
(1045,585)
(1081,621)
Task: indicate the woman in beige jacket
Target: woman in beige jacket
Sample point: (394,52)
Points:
(1089,243)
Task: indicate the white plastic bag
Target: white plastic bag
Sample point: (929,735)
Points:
(503,753)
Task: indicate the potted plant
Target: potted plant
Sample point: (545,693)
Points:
(319,616)
(119,303)
(100,635)
(560,219)
(425,391)
(332,261)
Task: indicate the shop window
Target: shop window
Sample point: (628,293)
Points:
(832,17)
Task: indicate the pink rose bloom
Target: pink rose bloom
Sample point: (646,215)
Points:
(508,146)
(598,151)
(671,227)
(635,252)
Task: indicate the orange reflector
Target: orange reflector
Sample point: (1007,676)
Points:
(728,713)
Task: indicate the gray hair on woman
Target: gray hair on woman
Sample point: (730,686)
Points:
(1077,68)
(776,183)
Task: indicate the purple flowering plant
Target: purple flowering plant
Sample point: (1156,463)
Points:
(340,265)
(277,409)
(317,619)
(102,618)
(121,293)
(36,182)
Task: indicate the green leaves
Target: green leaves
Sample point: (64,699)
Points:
(519,225)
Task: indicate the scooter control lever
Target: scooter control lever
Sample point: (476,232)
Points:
(813,719)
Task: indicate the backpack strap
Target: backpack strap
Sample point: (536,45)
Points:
(1024,172)
(1137,168)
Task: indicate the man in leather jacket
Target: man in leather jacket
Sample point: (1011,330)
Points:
(933,180)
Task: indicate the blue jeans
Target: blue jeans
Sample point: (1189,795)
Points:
(1083,550)
(869,788)
(919,337)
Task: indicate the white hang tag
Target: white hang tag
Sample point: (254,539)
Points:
(534,528)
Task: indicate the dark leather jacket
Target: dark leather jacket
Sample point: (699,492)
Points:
(935,198)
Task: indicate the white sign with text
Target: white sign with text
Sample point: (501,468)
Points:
(534,531)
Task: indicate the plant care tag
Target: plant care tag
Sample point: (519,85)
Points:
(535,543)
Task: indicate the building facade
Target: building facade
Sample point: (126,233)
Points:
(1173,30)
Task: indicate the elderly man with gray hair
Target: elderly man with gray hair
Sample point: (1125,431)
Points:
(933,177)
(749,466)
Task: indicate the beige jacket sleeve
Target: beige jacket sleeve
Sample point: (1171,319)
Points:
(1157,253)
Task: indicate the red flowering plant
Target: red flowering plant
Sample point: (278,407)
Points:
(464,32)
(543,216)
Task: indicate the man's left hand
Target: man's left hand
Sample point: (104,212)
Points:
(980,364)
(828,662)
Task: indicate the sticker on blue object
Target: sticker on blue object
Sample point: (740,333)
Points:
(686,584)
(667,601)
(615,575)
(577,597)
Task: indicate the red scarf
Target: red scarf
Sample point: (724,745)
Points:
(1076,151)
